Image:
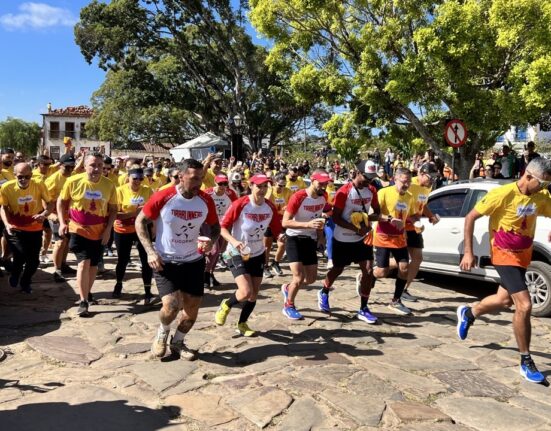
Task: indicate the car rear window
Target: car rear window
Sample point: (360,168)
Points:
(448,204)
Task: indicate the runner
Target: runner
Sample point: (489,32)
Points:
(90,200)
(243,227)
(25,205)
(178,258)
(174,177)
(420,189)
(353,199)
(303,222)
(294,181)
(512,210)
(55,184)
(223,197)
(389,238)
(131,198)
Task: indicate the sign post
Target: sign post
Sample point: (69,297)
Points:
(456,135)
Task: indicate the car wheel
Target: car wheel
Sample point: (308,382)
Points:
(538,280)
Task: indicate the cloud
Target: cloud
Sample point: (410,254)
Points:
(37,16)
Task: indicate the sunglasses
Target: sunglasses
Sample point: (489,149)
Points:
(23,177)
(223,184)
(543,183)
(137,178)
(281,185)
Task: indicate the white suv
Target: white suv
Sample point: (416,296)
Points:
(444,241)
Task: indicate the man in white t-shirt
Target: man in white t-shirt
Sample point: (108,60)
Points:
(177,258)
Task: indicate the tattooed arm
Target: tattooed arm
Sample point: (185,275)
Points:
(153,258)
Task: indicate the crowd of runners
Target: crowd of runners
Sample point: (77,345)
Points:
(191,219)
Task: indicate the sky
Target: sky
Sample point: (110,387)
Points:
(41,62)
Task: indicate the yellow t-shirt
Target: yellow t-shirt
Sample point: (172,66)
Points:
(54,184)
(6,176)
(114,178)
(208,179)
(153,184)
(280,200)
(295,186)
(513,222)
(161,177)
(89,206)
(398,206)
(128,201)
(331,192)
(420,199)
(22,204)
(166,186)
(123,177)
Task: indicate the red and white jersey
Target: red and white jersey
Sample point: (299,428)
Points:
(349,201)
(248,222)
(303,208)
(178,223)
(222,203)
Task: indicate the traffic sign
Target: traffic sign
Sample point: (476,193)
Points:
(455,133)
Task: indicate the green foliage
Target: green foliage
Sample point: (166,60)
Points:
(406,66)
(19,135)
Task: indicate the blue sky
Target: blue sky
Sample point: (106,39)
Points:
(41,62)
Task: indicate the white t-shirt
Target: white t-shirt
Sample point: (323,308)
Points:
(222,203)
(348,200)
(178,223)
(303,208)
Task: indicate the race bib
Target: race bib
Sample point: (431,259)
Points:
(93,195)
(137,201)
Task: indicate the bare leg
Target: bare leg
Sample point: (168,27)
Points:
(416,257)
(83,279)
(521,320)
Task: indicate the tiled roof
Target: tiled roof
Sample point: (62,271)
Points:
(72,111)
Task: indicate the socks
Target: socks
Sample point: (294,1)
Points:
(363,302)
(147,289)
(178,336)
(525,357)
(470,315)
(248,308)
(399,288)
(164,328)
(232,300)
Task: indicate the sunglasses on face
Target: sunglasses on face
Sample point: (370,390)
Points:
(137,178)
(223,184)
(542,183)
(23,177)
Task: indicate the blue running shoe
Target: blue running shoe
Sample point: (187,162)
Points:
(529,371)
(285,292)
(323,301)
(365,315)
(463,322)
(291,313)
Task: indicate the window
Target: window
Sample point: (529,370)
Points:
(70,130)
(83,131)
(54,130)
(476,196)
(448,204)
(55,152)
(521,133)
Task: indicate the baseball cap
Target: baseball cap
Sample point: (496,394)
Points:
(236,177)
(429,168)
(367,168)
(322,177)
(67,159)
(220,178)
(259,179)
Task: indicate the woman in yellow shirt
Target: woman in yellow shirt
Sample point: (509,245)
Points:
(131,198)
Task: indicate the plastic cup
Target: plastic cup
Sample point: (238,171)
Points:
(245,253)
(437,218)
(322,221)
(418,227)
(201,242)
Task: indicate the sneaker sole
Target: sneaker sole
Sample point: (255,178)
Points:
(289,317)
(459,320)
(364,319)
(252,334)
(397,311)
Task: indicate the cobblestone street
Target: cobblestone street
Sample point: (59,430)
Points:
(325,372)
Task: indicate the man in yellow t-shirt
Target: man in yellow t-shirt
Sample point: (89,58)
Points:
(294,181)
(158,175)
(91,201)
(420,189)
(55,184)
(149,181)
(390,237)
(512,210)
(214,163)
(25,205)
(45,168)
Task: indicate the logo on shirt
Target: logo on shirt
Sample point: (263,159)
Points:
(186,229)
(314,208)
(93,194)
(365,201)
(528,210)
(24,199)
(258,218)
(401,206)
(137,200)
(187,215)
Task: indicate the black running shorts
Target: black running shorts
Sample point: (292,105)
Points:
(254,266)
(513,278)
(382,256)
(185,277)
(344,253)
(85,249)
(302,249)
(414,239)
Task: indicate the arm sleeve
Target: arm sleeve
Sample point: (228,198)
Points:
(340,198)
(294,203)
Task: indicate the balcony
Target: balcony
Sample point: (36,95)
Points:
(60,134)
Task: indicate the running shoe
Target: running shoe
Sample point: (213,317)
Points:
(222,313)
(243,329)
(285,292)
(407,297)
(91,299)
(267,273)
(101,268)
(58,277)
(117,291)
(463,322)
(178,348)
(109,253)
(213,281)
(26,288)
(82,309)
(158,348)
(44,259)
(529,371)
(148,299)
(365,315)
(206,280)
(276,268)
(323,301)
(66,269)
(399,308)
(291,313)
(329,264)
(13,281)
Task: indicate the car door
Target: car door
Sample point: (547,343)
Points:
(444,241)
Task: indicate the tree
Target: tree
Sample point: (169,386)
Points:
(416,63)
(181,67)
(19,135)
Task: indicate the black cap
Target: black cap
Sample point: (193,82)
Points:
(67,159)
(148,171)
(6,151)
(429,168)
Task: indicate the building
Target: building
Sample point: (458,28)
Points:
(518,136)
(63,124)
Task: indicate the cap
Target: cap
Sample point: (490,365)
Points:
(236,177)
(322,177)
(259,179)
(67,159)
(367,168)
(148,171)
(429,168)
(220,178)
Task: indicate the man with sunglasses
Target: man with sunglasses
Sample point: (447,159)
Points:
(513,210)
(25,205)
(420,189)
(55,184)
(294,180)
(358,196)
